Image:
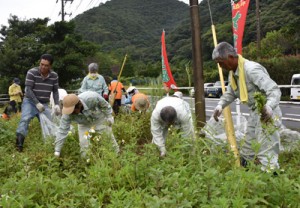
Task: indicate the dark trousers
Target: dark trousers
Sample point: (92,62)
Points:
(117,105)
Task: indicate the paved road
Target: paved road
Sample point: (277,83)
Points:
(290,111)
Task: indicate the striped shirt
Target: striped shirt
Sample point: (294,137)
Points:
(42,87)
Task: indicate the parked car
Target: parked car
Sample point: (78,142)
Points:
(295,92)
(206,86)
(216,90)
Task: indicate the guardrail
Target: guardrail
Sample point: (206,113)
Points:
(4,98)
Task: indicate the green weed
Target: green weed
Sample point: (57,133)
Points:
(193,174)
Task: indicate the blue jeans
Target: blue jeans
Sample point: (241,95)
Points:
(29,111)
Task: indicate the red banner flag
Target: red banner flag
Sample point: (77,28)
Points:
(239,14)
(167,76)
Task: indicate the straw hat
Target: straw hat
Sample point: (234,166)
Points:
(69,103)
(141,104)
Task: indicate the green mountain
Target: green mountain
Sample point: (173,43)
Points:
(135,26)
(130,25)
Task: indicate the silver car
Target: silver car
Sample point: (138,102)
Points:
(206,87)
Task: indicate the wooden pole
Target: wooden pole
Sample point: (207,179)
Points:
(197,65)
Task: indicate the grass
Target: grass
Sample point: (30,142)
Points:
(194,174)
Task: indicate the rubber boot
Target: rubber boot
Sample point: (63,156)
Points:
(243,162)
(19,142)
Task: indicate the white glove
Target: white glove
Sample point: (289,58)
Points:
(163,151)
(266,113)
(217,112)
(40,107)
(110,121)
(57,110)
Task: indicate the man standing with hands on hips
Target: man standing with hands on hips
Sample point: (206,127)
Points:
(40,82)
(247,78)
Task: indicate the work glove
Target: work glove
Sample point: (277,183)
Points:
(57,110)
(105,96)
(163,151)
(217,112)
(110,121)
(266,114)
(40,107)
(18,93)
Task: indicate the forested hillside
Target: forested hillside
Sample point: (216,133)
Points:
(131,25)
(135,26)
(106,33)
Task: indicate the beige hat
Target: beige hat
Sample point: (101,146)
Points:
(69,103)
(141,104)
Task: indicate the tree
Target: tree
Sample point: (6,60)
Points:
(23,42)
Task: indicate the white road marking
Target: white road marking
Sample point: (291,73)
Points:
(290,114)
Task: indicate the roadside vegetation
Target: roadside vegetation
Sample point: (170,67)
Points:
(193,174)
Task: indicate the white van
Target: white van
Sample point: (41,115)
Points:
(295,92)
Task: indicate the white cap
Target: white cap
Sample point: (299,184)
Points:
(130,89)
(178,94)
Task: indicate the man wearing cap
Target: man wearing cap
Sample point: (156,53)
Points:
(94,82)
(40,82)
(88,109)
(15,93)
(139,101)
(169,111)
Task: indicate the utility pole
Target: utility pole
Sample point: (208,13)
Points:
(197,65)
(258,33)
(63,13)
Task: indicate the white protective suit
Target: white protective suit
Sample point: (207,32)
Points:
(97,113)
(258,80)
(184,121)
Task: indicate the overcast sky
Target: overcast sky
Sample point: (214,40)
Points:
(26,9)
